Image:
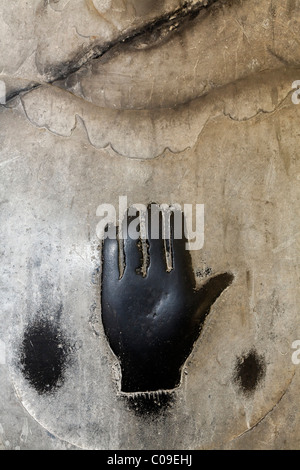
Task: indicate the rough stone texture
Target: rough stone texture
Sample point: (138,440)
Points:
(202,114)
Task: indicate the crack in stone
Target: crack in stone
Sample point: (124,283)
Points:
(268,412)
(16,93)
(167,22)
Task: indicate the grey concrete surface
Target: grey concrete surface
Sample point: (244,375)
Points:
(193,109)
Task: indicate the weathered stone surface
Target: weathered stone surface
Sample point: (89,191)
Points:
(204,116)
(41,38)
(225,43)
(143,134)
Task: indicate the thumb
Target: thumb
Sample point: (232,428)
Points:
(208,294)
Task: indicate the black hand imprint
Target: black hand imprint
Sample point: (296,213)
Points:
(152,322)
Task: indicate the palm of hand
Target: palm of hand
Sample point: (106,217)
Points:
(152,322)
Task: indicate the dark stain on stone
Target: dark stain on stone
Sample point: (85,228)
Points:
(249,371)
(44,355)
(144,7)
(150,405)
(291,6)
(248,279)
(158,26)
(202,273)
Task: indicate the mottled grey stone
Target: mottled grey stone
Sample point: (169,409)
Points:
(201,115)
